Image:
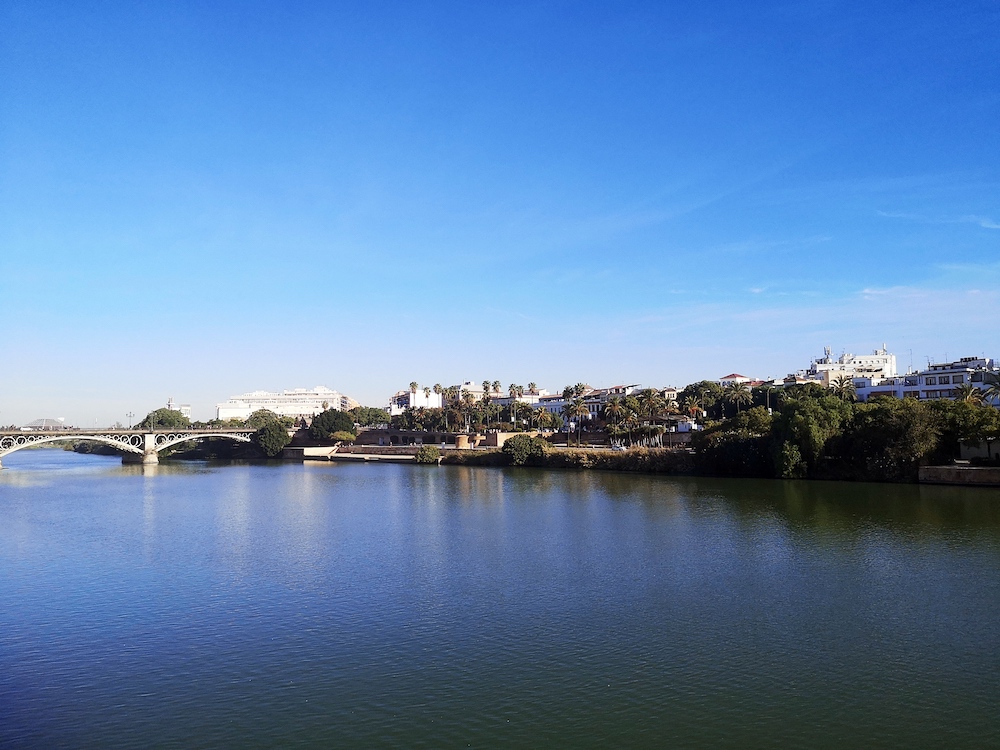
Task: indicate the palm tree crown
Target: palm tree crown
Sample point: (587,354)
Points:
(968,393)
(992,392)
(843,388)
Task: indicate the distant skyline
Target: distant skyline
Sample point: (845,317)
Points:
(200,200)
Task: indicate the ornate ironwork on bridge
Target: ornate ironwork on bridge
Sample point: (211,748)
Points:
(142,444)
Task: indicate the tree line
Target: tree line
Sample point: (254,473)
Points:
(825,436)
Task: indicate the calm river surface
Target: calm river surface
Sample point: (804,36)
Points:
(405,606)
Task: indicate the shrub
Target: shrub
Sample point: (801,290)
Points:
(343,436)
(428,454)
(523,450)
(788,463)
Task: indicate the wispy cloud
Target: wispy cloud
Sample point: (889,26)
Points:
(985,222)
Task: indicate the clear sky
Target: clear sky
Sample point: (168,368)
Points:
(199,199)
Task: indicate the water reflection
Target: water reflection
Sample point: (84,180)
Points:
(386,605)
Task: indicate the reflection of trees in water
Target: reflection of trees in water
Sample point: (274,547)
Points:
(833,506)
(848,505)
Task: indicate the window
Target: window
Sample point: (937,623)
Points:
(944,380)
(957,378)
(931,381)
(976,377)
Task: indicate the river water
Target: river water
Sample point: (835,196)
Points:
(341,605)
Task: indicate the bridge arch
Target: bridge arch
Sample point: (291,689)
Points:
(135,445)
(13,443)
(170,439)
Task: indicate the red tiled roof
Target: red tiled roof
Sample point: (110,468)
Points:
(732,375)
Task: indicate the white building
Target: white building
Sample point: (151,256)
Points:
(877,365)
(937,381)
(402,400)
(299,402)
(734,377)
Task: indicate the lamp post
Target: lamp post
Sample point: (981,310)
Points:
(130,415)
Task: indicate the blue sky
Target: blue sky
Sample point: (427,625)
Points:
(199,199)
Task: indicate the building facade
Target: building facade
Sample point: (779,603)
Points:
(296,403)
(402,400)
(937,381)
(880,364)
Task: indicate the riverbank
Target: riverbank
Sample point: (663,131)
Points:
(643,460)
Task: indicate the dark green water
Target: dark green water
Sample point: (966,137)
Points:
(403,606)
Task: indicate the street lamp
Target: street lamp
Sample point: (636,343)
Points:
(130,415)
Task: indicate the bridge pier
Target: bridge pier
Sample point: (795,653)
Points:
(146,459)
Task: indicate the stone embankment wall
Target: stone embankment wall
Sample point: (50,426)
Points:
(973,476)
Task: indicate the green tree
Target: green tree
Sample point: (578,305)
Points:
(271,438)
(369,416)
(810,424)
(164,419)
(262,417)
(888,438)
(328,422)
(756,422)
(707,394)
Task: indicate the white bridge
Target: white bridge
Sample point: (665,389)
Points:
(137,446)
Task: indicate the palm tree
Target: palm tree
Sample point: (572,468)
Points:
(615,409)
(652,403)
(545,420)
(533,389)
(468,403)
(992,392)
(413,386)
(843,388)
(427,392)
(579,411)
(739,394)
(968,393)
(692,405)
(496,388)
(631,422)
